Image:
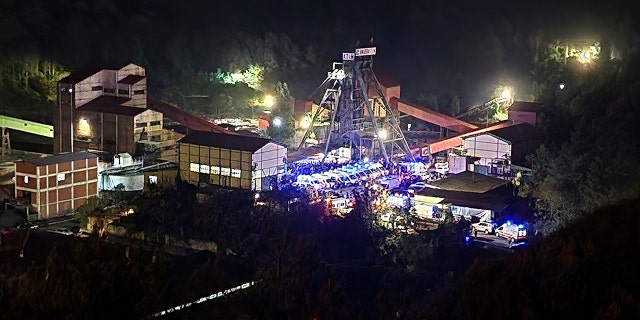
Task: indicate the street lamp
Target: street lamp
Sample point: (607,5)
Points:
(277,121)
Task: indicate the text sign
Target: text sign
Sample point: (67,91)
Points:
(348,56)
(366,52)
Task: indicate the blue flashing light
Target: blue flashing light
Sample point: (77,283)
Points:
(509,222)
(521,226)
(467,239)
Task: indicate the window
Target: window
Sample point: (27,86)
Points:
(155,123)
(153,179)
(141,124)
(123,91)
(26,179)
(96,88)
(194,167)
(204,168)
(107,90)
(60,177)
(138,91)
(225,171)
(215,170)
(236,173)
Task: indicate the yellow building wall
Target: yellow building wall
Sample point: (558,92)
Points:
(203,165)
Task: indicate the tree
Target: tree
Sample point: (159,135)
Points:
(455,105)
(282,126)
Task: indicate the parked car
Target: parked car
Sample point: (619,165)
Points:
(83,234)
(483,226)
(64,231)
(417,186)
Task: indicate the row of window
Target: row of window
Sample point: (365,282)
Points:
(144,124)
(203,168)
(120,91)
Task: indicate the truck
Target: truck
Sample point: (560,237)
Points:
(511,231)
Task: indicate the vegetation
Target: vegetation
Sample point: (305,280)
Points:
(586,161)
(311,265)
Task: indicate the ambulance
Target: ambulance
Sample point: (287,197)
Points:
(511,231)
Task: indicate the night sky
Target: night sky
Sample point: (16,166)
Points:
(461,47)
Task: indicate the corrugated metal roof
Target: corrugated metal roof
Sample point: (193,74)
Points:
(226,141)
(469,181)
(111,105)
(61,158)
(188,120)
(131,79)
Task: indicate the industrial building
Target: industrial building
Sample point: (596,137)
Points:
(209,158)
(54,185)
(107,109)
(98,109)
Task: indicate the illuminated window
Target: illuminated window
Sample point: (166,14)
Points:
(26,179)
(194,167)
(153,179)
(60,177)
(236,173)
(215,170)
(84,128)
(225,171)
(204,168)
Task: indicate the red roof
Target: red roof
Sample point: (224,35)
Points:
(111,105)
(189,120)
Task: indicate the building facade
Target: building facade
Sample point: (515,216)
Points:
(104,109)
(494,152)
(208,158)
(55,185)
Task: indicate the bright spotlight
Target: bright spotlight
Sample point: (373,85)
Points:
(382,134)
(561,86)
(269,100)
(277,122)
(305,123)
(506,94)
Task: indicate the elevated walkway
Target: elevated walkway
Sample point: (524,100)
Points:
(434,117)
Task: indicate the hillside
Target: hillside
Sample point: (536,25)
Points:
(588,270)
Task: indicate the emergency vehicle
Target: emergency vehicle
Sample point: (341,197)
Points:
(512,231)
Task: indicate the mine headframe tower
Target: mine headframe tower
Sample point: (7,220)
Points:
(367,125)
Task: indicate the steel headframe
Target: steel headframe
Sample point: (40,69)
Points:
(355,116)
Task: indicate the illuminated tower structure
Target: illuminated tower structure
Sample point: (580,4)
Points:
(367,125)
